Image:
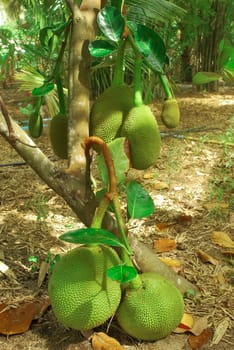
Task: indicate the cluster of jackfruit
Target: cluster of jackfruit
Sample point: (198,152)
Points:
(114,115)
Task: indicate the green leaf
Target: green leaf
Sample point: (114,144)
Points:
(100,48)
(152,48)
(111,23)
(45,35)
(27,110)
(205,77)
(139,202)
(91,235)
(35,125)
(121,161)
(122,273)
(43,90)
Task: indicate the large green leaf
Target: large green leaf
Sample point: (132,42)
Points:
(111,23)
(139,202)
(91,236)
(122,273)
(152,48)
(101,48)
(120,159)
(205,77)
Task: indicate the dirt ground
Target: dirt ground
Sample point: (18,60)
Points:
(192,186)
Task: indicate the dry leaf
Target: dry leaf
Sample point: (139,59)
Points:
(228,252)
(164,226)
(223,239)
(196,342)
(42,273)
(214,205)
(220,331)
(7,271)
(164,245)
(220,278)
(206,258)
(16,320)
(170,262)
(182,219)
(186,324)
(200,324)
(160,185)
(101,341)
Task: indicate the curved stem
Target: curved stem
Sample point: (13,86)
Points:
(165,85)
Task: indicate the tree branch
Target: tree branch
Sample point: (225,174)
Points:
(65,185)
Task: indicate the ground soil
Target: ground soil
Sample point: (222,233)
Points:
(192,187)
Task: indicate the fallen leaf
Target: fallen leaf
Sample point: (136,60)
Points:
(101,341)
(16,320)
(196,342)
(200,324)
(214,205)
(206,258)
(160,185)
(222,239)
(164,245)
(220,331)
(170,262)
(182,219)
(228,252)
(164,226)
(186,324)
(42,273)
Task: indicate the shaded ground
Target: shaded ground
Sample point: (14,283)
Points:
(193,189)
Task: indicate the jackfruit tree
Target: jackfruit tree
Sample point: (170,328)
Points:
(123,130)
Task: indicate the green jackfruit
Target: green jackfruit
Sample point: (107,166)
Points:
(58,135)
(82,296)
(141,129)
(108,112)
(153,310)
(35,125)
(170,113)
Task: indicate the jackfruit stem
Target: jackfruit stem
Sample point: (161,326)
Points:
(118,78)
(135,283)
(166,87)
(137,86)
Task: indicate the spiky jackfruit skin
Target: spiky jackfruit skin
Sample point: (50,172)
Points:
(141,129)
(152,311)
(82,296)
(170,113)
(108,112)
(59,136)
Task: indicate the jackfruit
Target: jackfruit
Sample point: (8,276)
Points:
(153,310)
(35,125)
(82,296)
(59,135)
(141,129)
(108,112)
(170,113)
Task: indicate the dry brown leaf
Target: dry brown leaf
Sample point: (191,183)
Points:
(164,226)
(214,205)
(186,324)
(228,252)
(16,320)
(102,341)
(196,342)
(200,324)
(160,185)
(184,219)
(42,273)
(220,331)
(164,245)
(222,239)
(170,262)
(206,258)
